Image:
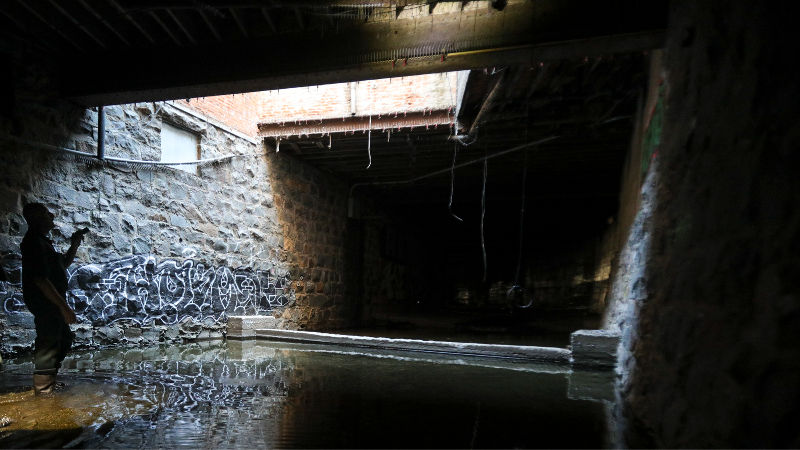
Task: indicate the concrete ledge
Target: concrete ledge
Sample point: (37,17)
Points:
(244,327)
(595,348)
(541,354)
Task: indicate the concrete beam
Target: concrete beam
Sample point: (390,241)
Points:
(244,327)
(524,33)
(540,354)
(595,348)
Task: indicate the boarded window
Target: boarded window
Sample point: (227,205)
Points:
(178,146)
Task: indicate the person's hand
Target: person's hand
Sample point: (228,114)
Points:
(77,237)
(69,315)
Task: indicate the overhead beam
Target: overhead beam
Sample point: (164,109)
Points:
(165,28)
(133,21)
(265,13)
(50,25)
(300,20)
(369,51)
(194,4)
(488,103)
(181,26)
(24,30)
(210,25)
(77,23)
(239,22)
(104,22)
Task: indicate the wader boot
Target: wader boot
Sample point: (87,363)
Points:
(44,384)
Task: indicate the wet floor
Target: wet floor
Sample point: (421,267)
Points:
(273,395)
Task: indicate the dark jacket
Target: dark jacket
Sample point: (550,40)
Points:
(41,260)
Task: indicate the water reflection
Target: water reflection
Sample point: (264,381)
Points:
(252,394)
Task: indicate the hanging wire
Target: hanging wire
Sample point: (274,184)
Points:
(369,142)
(452,183)
(483,213)
(517,287)
(522,209)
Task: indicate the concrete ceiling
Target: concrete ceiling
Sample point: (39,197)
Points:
(122,51)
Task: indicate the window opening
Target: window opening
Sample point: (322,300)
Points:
(179,145)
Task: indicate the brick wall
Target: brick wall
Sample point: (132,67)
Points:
(239,111)
(373,97)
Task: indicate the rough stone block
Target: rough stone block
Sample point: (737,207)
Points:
(595,348)
(10,201)
(21,319)
(179,221)
(132,332)
(140,246)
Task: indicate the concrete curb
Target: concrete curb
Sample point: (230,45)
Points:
(530,353)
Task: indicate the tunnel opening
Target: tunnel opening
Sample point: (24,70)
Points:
(494,216)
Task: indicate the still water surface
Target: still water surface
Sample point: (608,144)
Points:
(277,395)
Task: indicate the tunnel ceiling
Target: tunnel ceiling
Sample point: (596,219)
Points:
(569,69)
(586,105)
(124,51)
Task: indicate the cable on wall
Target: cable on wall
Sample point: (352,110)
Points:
(91,159)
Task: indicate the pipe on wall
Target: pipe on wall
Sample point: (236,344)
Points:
(101,132)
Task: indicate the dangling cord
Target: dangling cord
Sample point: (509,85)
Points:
(483,214)
(516,287)
(521,214)
(369,142)
(452,182)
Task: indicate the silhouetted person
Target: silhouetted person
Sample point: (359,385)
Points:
(44,289)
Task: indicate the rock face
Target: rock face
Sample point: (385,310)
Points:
(170,254)
(712,354)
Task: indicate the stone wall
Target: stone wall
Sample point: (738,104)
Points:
(402,270)
(312,212)
(170,254)
(715,353)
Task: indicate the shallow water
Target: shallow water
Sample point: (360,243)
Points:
(274,395)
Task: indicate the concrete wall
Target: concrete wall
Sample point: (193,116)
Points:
(170,254)
(714,349)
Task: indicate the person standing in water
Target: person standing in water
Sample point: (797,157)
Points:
(44,290)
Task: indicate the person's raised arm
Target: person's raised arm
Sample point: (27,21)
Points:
(49,291)
(75,242)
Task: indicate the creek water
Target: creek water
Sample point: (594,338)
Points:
(246,394)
